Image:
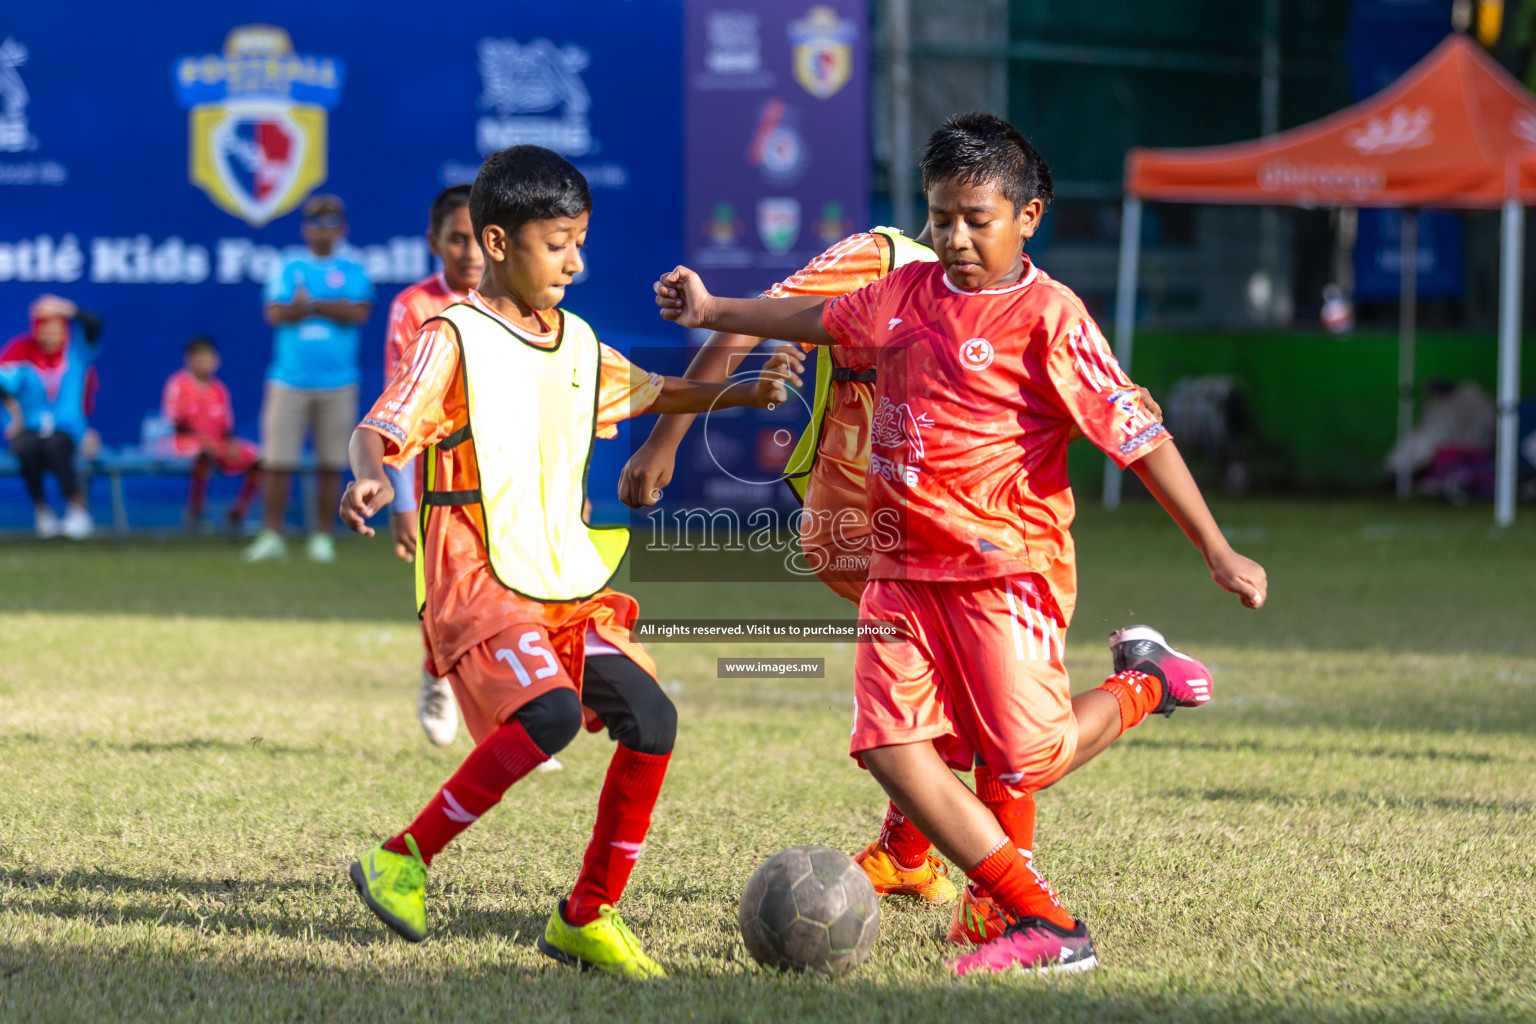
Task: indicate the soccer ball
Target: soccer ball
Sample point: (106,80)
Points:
(810,908)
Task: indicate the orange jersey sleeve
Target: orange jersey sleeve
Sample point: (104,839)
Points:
(402,328)
(623,390)
(1101,399)
(846,266)
(420,405)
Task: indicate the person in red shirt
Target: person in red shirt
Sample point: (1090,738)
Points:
(451,237)
(983,366)
(197,406)
(835,530)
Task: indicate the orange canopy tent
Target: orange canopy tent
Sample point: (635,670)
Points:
(1456,130)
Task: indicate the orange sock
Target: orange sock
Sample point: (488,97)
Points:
(1015,813)
(1015,884)
(1137,692)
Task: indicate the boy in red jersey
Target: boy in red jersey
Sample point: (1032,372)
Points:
(451,237)
(984,364)
(828,474)
(512,580)
(197,406)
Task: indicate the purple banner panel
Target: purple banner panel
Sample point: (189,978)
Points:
(777,135)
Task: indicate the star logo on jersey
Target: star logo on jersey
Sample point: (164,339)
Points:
(976,354)
(257,121)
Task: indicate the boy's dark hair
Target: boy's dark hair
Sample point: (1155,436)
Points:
(448,200)
(199,343)
(523,183)
(975,148)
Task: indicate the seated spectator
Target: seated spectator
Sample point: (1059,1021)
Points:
(1450,450)
(47,372)
(196,404)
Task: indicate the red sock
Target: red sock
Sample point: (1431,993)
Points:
(505,756)
(1137,692)
(903,840)
(248,485)
(197,490)
(623,817)
(1015,813)
(1012,881)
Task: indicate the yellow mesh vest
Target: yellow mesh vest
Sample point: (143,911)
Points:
(532,421)
(797,473)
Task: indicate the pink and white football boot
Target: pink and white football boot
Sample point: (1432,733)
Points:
(1032,944)
(1186,682)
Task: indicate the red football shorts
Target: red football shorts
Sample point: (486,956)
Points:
(230,455)
(980,675)
(523,662)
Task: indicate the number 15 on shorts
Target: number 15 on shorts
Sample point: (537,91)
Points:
(529,644)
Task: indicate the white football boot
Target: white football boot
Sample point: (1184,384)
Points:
(438,711)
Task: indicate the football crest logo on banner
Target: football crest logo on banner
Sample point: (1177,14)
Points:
(778,223)
(823,51)
(257,121)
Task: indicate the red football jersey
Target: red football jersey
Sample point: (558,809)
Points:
(203,410)
(413,307)
(976,395)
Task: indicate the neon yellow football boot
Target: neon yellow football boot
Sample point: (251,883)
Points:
(395,888)
(606,945)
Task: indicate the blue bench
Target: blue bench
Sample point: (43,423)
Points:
(117,463)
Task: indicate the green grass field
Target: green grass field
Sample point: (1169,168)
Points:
(192,750)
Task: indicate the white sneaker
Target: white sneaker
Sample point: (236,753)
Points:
(438,711)
(47,522)
(320,548)
(267,547)
(77,522)
(551,766)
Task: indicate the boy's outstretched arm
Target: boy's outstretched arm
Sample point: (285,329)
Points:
(684,300)
(1166,476)
(649,470)
(679,394)
(371,491)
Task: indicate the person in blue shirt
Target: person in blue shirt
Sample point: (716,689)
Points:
(48,382)
(317,303)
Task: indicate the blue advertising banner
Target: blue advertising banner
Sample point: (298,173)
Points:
(152,165)
(777,167)
(1386,38)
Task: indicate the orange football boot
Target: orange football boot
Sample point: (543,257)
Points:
(978,920)
(929,882)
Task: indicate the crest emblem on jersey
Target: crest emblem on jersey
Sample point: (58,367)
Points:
(778,223)
(823,51)
(257,121)
(976,354)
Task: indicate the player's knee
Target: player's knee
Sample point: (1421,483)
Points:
(552,720)
(650,727)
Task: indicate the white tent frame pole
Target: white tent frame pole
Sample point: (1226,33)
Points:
(1125,321)
(1407,313)
(1511,273)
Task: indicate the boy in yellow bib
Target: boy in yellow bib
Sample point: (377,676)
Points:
(505,394)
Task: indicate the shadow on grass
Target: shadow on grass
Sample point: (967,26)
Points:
(314,908)
(138,982)
(193,745)
(1311,750)
(1263,795)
